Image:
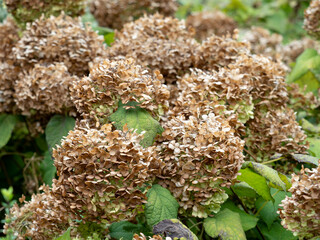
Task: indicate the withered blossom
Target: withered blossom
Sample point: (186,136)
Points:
(157,42)
(141,236)
(301,211)
(97,96)
(311,19)
(59,39)
(44,89)
(114,14)
(201,155)
(29,10)
(207,23)
(8,37)
(103,175)
(40,218)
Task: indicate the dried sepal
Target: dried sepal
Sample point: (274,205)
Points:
(311,19)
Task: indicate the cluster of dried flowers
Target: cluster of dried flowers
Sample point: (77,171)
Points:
(115,14)
(311,19)
(208,23)
(29,10)
(213,99)
(301,211)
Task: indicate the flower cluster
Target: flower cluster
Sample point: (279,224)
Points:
(115,14)
(98,95)
(103,174)
(157,42)
(311,19)
(300,212)
(29,10)
(209,23)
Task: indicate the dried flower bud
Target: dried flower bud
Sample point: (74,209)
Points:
(158,43)
(301,211)
(311,19)
(97,96)
(115,14)
(44,89)
(29,10)
(209,23)
(59,39)
(103,174)
(201,155)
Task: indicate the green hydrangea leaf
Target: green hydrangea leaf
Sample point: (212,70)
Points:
(65,235)
(226,225)
(125,230)
(309,127)
(269,210)
(139,119)
(161,205)
(47,169)
(7,123)
(269,173)
(301,158)
(248,221)
(57,128)
(7,194)
(276,232)
(314,146)
(256,181)
(175,229)
(243,189)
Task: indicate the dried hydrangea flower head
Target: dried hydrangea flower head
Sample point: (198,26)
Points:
(156,42)
(301,211)
(274,131)
(40,218)
(29,10)
(8,37)
(103,174)
(59,39)
(201,155)
(207,23)
(98,95)
(216,52)
(8,75)
(311,19)
(114,14)
(44,89)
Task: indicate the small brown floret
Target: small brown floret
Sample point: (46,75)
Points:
(114,14)
(156,42)
(209,23)
(103,174)
(301,211)
(311,19)
(201,155)
(59,39)
(98,95)
(44,89)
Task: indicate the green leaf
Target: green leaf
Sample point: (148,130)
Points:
(248,221)
(57,128)
(65,236)
(243,189)
(308,126)
(109,38)
(7,123)
(257,182)
(47,169)
(7,193)
(174,229)
(267,172)
(161,205)
(278,22)
(139,119)
(314,146)
(276,232)
(269,211)
(226,225)
(125,230)
(301,158)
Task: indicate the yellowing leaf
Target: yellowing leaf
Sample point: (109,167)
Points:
(226,225)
